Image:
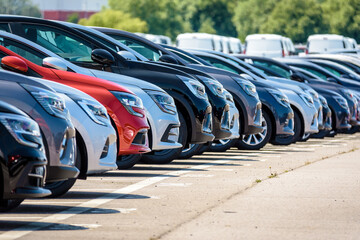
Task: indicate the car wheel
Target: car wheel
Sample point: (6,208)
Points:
(280,140)
(61,187)
(127,161)
(259,140)
(305,137)
(320,134)
(166,156)
(222,145)
(8,204)
(190,151)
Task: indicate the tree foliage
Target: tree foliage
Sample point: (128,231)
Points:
(19,7)
(343,17)
(162,16)
(115,19)
(296,19)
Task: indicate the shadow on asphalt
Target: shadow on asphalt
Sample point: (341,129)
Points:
(130,174)
(100,195)
(32,208)
(43,226)
(157,168)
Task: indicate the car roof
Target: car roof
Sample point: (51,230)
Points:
(325,37)
(264,36)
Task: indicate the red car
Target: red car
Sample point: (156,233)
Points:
(124,107)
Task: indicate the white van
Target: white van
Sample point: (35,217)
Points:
(266,45)
(195,41)
(235,45)
(323,43)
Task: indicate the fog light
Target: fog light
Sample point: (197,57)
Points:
(173,134)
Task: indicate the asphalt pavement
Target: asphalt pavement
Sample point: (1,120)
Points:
(308,190)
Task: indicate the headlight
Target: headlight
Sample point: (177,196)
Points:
(348,93)
(130,101)
(164,101)
(20,127)
(247,86)
(279,96)
(228,96)
(313,94)
(214,86)
(195,87)
(94,110)
(51,102)
(323,101)
(307,99)
(342,102)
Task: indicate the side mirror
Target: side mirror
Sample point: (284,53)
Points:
(127,55)
(247,77)
(168,59)
(14,64)
(102,56)
(55,63)
(296,77)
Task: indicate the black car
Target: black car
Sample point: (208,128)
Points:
(22,158)
(189,94)
(48,109)
(336,99)
(248,104)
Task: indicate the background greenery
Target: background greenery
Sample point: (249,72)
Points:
(238,18)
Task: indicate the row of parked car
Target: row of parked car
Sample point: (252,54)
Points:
(79,100)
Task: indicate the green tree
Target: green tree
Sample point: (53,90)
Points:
(343,17)
(250,15)
(162,16)
(115,19)
(19,7)
(217,12)
(74,18)
(296,19)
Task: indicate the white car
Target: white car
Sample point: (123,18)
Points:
(160,39)
(323,43)
(266,45)
(95,136)
(235,45)
(161,121)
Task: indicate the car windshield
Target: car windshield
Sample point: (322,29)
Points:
(263,45)
(325,45)
(196,43)
(279,70)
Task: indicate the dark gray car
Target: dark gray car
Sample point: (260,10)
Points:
(43,105)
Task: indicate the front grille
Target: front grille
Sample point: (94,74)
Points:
(140,138)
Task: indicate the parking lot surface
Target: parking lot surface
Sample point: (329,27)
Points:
(308,190)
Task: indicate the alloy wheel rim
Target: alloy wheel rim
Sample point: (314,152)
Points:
(255,139)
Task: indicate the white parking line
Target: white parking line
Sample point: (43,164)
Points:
(93,203)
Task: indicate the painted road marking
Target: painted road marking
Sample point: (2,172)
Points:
(94,203)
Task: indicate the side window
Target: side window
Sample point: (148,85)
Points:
(283,72)
(150,53)
(313,71)
(4,27)
(23,50)
(64,44)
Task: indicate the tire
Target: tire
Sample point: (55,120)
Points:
(127,161)
(279,140)
(259,140)
(8,204)
(320,134)
(166,156)
(190,151)
(222,145)
(61,187)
